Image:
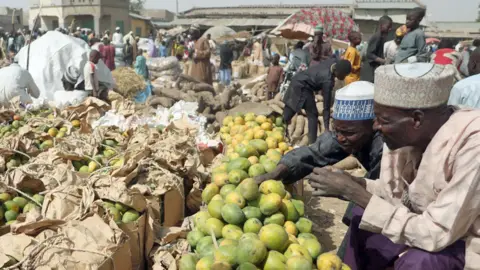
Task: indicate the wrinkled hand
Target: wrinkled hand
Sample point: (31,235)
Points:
(262,178)
(276,174)
(330,182)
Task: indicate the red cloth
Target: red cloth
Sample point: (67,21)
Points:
(441,58)
(108,55)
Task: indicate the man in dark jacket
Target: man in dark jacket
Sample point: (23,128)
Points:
(301,93)
(353,135)
(374,55)
(225,68)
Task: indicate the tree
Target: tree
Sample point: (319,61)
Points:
(136,6)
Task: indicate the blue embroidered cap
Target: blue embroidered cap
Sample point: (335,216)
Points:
(354,102)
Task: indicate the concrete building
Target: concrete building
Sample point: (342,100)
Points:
(159,15)
(98,15)
(260,17)
(6,16)
(453,30)
(141,25)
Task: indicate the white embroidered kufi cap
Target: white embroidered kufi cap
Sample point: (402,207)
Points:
(413,86)
(354,102)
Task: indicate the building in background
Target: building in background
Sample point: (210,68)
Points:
(258,18)
(98,15)
(141,25)
(453,30)
(7,15)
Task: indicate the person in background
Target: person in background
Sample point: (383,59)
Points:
(466,52)
(117,38)
(298,58)
(141,65)
(390,48)
(84,36)
(301,93)
(28,37)
(19,41)
(12,52)
(257,52)
(211,43)
(319,50)
(108,54)
(72,79)
(90,75)
(11,40)
(180,50)
(201,67)
(422,213)
(374,53)
(446,55)
(162,49)
(413,43)
(135,49)
(353,56)
(107,35)
(128,53)
(226,58)
(474,62)
(17,81)
(158,43)
(91,34)
(466,93)
(274,77)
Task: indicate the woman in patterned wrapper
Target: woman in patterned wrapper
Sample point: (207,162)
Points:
(423,212)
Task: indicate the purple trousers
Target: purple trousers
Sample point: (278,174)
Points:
(370,251)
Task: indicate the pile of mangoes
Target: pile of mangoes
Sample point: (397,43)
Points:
(108,156)
(247,226)
(120,212)
(12,206)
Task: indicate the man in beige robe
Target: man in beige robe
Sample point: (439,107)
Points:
(424,210)
(201,67)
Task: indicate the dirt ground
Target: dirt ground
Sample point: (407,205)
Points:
(326,214)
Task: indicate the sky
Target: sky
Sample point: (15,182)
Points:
(437,10)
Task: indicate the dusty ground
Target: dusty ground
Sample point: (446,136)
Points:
(326,214)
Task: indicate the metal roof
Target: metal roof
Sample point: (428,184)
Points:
(140,17)
(453,29)
(255,10)
(228,22)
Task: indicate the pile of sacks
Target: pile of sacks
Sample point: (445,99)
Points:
(171,85)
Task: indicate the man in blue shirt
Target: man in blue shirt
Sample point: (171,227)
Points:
(466,93)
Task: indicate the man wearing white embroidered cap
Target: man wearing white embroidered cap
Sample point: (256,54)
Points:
(424,210)
(117,37)
(352,134)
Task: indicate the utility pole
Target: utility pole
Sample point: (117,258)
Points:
(176,2)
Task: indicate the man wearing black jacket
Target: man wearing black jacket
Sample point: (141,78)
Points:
(301,93)
(226,58)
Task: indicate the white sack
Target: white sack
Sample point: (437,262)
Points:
(51,55)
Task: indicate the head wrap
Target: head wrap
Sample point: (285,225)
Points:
(413,86)
(401,31)
(319,28)
(71,74)
(118,28)
(354,102)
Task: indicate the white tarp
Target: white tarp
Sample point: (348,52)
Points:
(51,55)
(219,31)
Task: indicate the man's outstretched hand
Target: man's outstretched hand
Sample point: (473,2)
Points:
(332,182)
(278,174)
